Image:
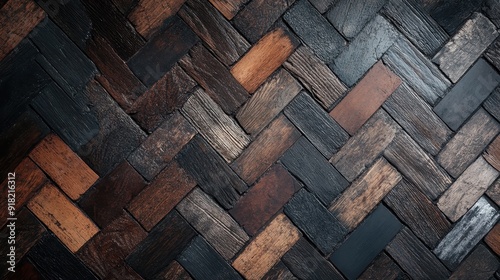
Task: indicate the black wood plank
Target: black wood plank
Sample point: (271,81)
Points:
(315,221)
(203,262)
(366,242)
(481,264)
(492,104)
(315,30)
(323,5)
(279,271)
(319,176)
(383,267)
(323,132)
(492,10)
(450,14)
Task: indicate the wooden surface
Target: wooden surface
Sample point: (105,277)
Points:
(492,153)
(383,267)
(481,263)
(148,15)
(493,239)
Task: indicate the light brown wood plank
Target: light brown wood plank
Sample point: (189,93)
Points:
(492,154)
(148,15)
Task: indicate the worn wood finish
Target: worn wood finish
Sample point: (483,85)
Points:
(492,103)
(492,54)
(493,239)
(123,272)
(366,98)
(481,264)
(494,192)
(266,249)
(492,153)
(383,267)
(148,15)
(468,143)
(451,14)
(62,217)
(176,271)
(279,272)
(323,5)
(264,58)
(228,8)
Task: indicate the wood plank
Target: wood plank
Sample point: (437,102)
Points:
(105,201)
(493,239)
(366,242)
(162,245)
(149,15)
(228,8)
(63,166)
(366,98)
(481,264)
(123,272)
(417,119)
(323,5)
(211,172)
(264,199)
(279,272)
(215,78)
(315,76)
(317,126)
(264,58)
(464,236)
(417,166)
(62,217)
(108,248)
(494,192)
(364,51)
(161,196)
(492,54)
(451,14)
(466,46)
(365,146)
(383,267)
(418,212)
(492,104)
(414,257)
(460,151)
(25,270)
(161,146)
(307,163)
(306,263)
(266,249)
(492,9)
(213,223)
(203,262)
(492,153)
(319,225)
(220,36)
(176,271)
(314,30)
(124,5)
(364,194)
(267,102)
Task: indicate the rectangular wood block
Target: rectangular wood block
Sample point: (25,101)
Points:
(481,264)
(366,98)
(364,194)
(466,46)
(492,153)
(148,15)
(264,58)
(161,196)
(383,267)
(468,143)
(264,199)
(62,217)
(266,249)
(319,225)
(279,272)
(493,239)
(228,8)
(492,104)
(65,167)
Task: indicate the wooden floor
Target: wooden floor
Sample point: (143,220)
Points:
(250,139)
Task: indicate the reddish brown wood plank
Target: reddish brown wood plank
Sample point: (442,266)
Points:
(229,8)
(492,153)
(493,239)
(176,271)
(148,15)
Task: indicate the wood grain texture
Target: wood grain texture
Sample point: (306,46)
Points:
(364,194)
(315,76)
(451,14)
(228,8)
(279,272)
(62,217)
(493,239)
(466,46)
(494,192)
(160,197)
(267,102)
(148,15)
(492,9)
(492,54)
(492,103)
(366,98)
(492,153)
(219,129)
(176,271)
(266,249)
(213,223)
(264,58)
(123,272)
(481,264)
(65,167)
(468,143)
(383,267)
(323,5)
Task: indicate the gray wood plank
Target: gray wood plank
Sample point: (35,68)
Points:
(492,104)
(492,54)
(323,5)
(492,10)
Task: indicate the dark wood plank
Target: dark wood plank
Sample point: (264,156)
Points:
(123,272)
(464,236)
(492,10)
(492,54)
(279,272)
(148,15)
(211,172)
(418,213)
(383,267)
(493,239)
(362,53)
(25,270)
(176,271)
(306,263)
(492,104)
(366,242)
(161,53)
(492,153)
(317,126)
(481,264)
(451,14)
(307,163)
(323,5)
(162,245)
(460,152)
(315,221)
(228,8)
(124,5)
(494,192)
(220,36)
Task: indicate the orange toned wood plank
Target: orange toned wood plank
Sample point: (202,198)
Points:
(267,248)
(228,8)
(62,217)
(264,58)
(148,15)
(365,193)
(365,99)
(493,239)
(492,154)
(18,18)
(65,167)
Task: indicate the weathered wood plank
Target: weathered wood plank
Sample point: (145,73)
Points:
(279,272)
(307,163)
(228,8)
(481,264)
(316,77)
(451,14)
(494,192)
(62,217)
(266,249)
(213,223)
(323,5)
(176,271)
(267,102)
(493,239)
(464,236)
(468,143)
(492,54)
(124,272)
(492,10)
(492,104)
(148,15)
(492,153)
(366,98)
(319,225)
(383,267)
